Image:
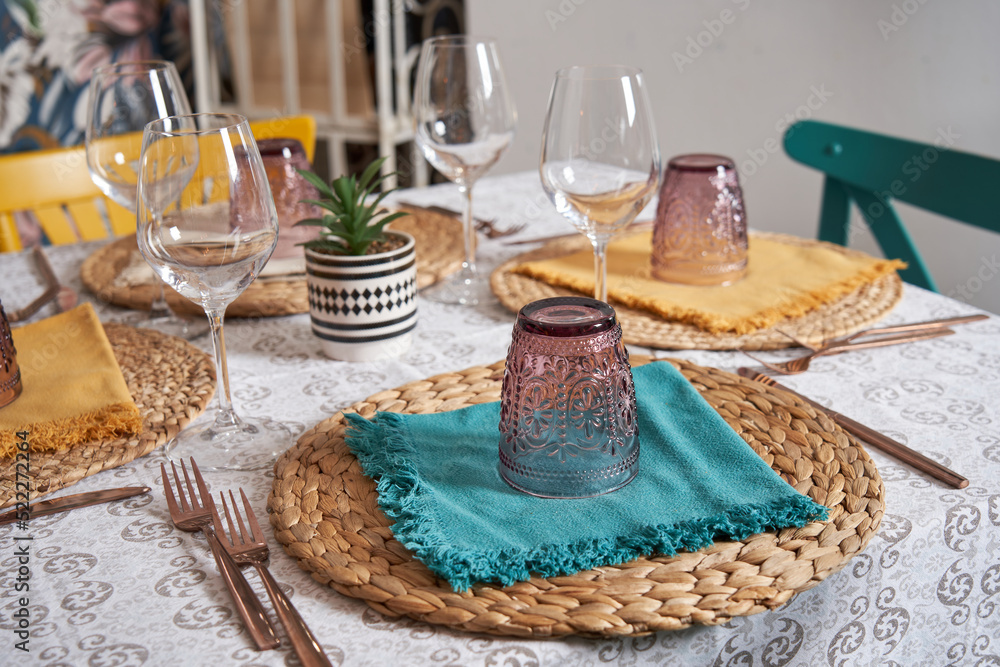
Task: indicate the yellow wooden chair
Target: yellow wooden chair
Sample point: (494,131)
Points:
(54,185)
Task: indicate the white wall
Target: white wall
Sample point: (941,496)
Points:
(911,68)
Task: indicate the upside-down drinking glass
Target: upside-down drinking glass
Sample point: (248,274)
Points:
(124,96)
(207,225)
(567,412)
(700,233)
(465,120)
(600,163)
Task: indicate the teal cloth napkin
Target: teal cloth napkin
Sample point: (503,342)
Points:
(437,478)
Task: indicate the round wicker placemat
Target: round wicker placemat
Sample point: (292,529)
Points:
(848,314)
(440,252)
(171,382)
(325,512)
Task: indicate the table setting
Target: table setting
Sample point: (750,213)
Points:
(668,438)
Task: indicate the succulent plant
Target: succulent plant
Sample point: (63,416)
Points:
(349,226)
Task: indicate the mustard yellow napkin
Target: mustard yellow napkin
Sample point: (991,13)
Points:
(783,280)
(73,390)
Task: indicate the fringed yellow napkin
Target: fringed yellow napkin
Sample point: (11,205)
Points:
(783,280)
(73,391)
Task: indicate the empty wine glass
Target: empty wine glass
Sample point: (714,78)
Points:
(600,163)
(207,225)
(124,96)
(465,120)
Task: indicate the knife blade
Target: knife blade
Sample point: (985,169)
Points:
(55,505)
(881,441)
(638,226)
(440,210)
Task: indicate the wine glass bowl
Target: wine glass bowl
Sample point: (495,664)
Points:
(207,226)
(600,163)
(464,121)
(124,96)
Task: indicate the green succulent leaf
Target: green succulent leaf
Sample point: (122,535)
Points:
(351,225)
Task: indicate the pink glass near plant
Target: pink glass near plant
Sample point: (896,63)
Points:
(700,232)
(568,417)
(10,374)
(281,158)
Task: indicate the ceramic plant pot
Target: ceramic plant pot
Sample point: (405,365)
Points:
(363,308)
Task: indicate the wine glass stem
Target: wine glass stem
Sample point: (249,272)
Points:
(225,416)
(600,269)
(159,308)
(469,230)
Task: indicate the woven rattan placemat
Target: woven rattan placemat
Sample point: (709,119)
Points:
(851,313)
(440,251)
(171,382)
(325,512)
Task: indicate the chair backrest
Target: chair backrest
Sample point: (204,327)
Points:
(55,187)
(872,169)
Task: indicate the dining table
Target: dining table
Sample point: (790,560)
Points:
(119,584)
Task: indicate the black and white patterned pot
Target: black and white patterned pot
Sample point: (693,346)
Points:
(363,308)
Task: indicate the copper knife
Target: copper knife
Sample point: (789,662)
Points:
(637,226)
(55,505)
(883,442)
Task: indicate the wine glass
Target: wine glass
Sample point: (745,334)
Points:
(465,120)
(206,223)
(124,96)
(600,163)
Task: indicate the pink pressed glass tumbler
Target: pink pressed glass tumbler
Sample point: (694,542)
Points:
(700,232)
(281,158)
(568,416)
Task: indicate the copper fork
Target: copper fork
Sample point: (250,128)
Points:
(910,327)
(801,364)
(249,546)
(193,516)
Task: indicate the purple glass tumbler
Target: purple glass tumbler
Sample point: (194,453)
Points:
(700,232)
(567,417)
(281,158)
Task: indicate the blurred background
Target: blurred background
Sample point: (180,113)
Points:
(728,76)
(725,76)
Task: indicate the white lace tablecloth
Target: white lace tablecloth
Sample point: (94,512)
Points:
(117,584)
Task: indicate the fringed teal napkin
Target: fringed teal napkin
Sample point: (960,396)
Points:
(437,478)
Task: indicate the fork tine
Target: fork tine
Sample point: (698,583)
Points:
(190,488)
(168,491)
(229,520)
(258,534)
(206,497)
(777,369)
(180,488)
(798,341)
(244,533)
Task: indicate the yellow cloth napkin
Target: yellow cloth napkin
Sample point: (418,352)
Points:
(783,280)
(73,390)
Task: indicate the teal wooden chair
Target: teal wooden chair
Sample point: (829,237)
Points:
(872,170)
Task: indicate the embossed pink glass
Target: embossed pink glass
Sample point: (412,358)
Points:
(568,417)
(281,158)
(700,232)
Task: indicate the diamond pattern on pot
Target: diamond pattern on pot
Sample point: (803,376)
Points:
(379,300)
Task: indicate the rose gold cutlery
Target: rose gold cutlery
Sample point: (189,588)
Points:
(911,327)
(65,296)
(66,503)
(801,364)
(881,441)
(486,226)
(249,546)
(192,517)
(640,226)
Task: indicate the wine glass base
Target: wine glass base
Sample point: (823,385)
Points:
(251,445)
(173,325)
(461,289)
